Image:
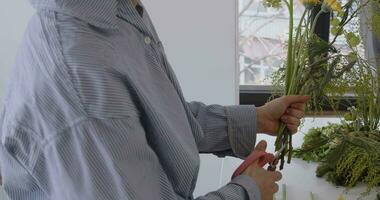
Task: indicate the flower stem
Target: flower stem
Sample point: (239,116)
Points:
(296,50)
(289,66)
(315,21)
(282,136)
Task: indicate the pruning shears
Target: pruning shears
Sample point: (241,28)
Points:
(263,158)
(272,165)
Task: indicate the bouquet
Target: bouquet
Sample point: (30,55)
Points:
(313,66)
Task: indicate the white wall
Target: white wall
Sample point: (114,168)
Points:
(199,36)
(14,16)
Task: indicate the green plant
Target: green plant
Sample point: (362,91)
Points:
(349,152)
(318,68)
(346,156)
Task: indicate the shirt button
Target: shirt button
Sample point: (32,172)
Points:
(147,40)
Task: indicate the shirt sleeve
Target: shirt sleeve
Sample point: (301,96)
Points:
(228,130)
(240,188)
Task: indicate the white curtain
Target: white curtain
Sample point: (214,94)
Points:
(370,40)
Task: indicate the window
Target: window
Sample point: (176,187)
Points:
(263,34)
(262,37)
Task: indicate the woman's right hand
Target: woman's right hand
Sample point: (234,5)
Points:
(265,180)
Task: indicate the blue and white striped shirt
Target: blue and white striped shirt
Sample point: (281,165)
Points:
(94,111)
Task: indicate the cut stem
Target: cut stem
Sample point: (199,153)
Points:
(315,22)
(283,191)
(282,137)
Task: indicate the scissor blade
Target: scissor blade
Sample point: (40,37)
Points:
(278,153)
(272,166)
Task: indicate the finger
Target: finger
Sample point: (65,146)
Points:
(277,176)
(298,106)
(291,99)
(261,146)
(295,113)
(274,175)
(291,120)
(292,128)
(269,158)
(274,188)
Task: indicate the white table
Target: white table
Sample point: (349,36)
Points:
(299,176)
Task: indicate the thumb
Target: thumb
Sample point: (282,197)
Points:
(261,146)
(291,99)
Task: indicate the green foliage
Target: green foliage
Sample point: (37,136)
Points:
(335,22)
(319,69)
(335,27)
(349,153)
(336,31)
(315,146)
(272,3)
(346,156)
(352,39)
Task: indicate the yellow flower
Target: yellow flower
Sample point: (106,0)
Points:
(310,3)
(336,6)
(331,5)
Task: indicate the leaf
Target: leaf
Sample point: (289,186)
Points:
(352,39)
(272,3)
(352,57)
(335,22)
(323,169)
(336,31)
(348,117)
(335,155)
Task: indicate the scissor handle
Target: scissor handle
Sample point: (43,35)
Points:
(261,156)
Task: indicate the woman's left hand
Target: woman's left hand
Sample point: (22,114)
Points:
(288,109)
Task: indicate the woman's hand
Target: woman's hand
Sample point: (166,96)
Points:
(265,180)
(288,109)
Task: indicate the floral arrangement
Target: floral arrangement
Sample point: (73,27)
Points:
(346,156)
(348,153)
(317,67)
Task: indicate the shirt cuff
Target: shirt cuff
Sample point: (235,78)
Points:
(249,186)
(241,122)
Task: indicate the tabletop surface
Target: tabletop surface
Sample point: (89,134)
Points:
(299,177)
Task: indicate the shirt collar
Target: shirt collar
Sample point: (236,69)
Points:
(100,13)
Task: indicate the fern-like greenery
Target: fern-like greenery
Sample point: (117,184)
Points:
(349,152)
(346,156)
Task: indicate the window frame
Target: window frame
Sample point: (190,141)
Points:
(258,95)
